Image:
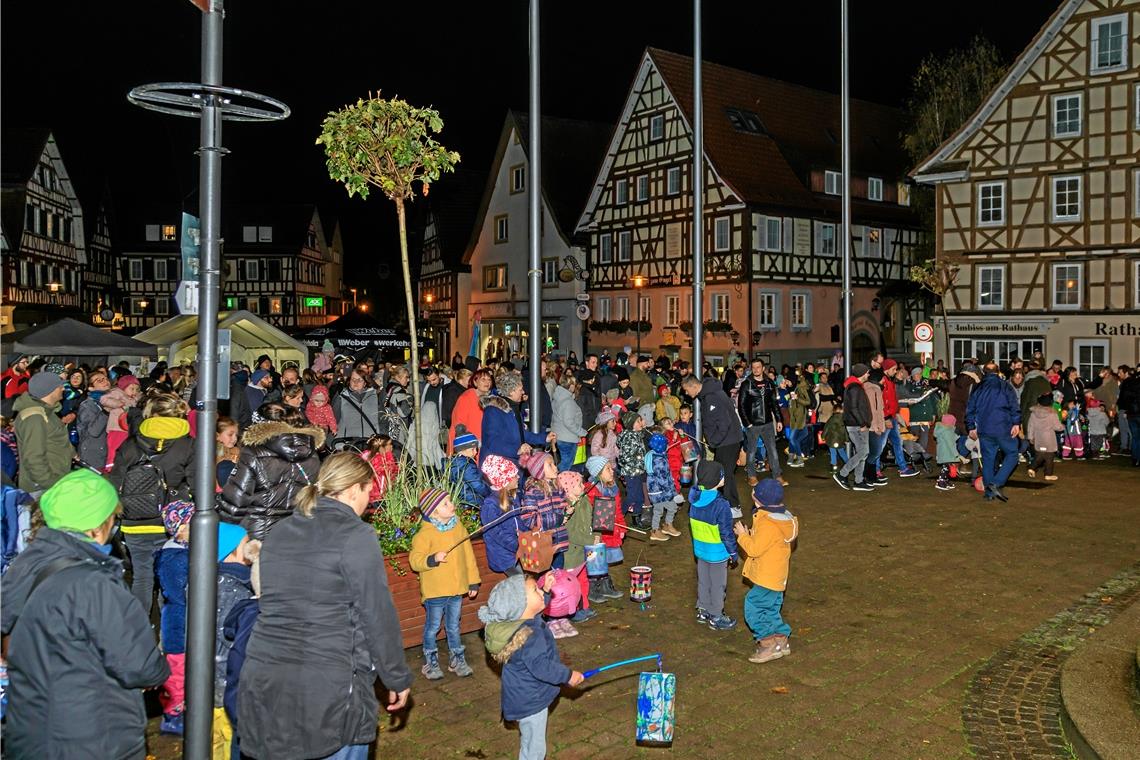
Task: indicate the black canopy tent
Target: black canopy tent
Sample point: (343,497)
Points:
(358,333)
(71,339)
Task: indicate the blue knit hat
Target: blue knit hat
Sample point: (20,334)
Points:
(658,443)
(463,439)
(229,536)
(768,492)
(595,465)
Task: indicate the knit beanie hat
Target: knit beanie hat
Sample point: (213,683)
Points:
(595,465)
(43,383)
(889,364)
(500,472)
(768,492)
(55,368)
(258,376)
(949,420)
(709,475)
(662,389)
(463,439)
(628,420)
(126,381)
(535,464)
(621,373)
(859,369)
(507,601)
(175,515)
(570,481)
(319,391)
(430,499)
(80,500)
(604,416)
(229,536)
(658,443)
(1045,399)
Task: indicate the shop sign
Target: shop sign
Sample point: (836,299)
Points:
(1126,328)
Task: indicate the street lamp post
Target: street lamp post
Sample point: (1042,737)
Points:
(638,284)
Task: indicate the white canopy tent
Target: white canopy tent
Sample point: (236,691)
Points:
(251,336)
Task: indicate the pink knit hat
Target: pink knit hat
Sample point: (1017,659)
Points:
(126,381)
(500,472)
(535,464)
(948,420)
(570,481)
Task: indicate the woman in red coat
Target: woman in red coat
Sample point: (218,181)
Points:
(468,411)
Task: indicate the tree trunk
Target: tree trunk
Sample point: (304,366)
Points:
(415,385)
(946,331)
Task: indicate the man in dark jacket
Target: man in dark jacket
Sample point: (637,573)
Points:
(1128,403)
(588,398)
(756,403)
(993,417)
(546,409)
(721,429)
(640,383)
(81,649)
(857,420)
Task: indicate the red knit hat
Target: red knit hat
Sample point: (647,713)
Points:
(500,472)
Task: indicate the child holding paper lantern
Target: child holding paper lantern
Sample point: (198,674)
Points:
(768,546)
(605,486)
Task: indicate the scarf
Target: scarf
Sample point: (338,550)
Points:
(443,527)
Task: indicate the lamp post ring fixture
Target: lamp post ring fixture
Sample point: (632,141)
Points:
(188,98)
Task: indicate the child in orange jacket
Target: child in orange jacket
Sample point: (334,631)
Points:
(768,546)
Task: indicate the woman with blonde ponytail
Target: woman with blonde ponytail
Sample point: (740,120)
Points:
(327,629)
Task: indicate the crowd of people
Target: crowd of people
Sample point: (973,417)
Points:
(99,484)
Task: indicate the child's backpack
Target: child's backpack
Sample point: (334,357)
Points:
(143,492)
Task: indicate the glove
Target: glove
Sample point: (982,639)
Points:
(733,563)
(678,499)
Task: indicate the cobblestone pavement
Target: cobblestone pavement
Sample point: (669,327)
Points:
(896,600)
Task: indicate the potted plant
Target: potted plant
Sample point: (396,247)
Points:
(715,326)
(686,327)
(396,520)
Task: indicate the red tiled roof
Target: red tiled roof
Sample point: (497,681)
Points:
(801,129)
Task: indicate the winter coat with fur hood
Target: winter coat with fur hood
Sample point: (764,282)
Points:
(533,672)
(503,430)
(277,460)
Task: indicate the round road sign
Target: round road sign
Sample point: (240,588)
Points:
(923,332)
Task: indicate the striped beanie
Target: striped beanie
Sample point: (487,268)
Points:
(464,439)
(430,499)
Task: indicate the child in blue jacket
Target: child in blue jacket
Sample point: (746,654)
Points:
(714,544)
(463,468)
(663,493)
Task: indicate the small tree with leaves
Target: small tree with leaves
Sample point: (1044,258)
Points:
(937,277)
(389,144)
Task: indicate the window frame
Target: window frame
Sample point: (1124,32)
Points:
(606,248)
(867,254)
(836,178)
(821,249)
(161,306)
(168,233)
(642,188)
(516,171)
(165,266)
(761,297)
(979,270)
(621,191)
(873,182)
(720,307)
(550,262)
(502,228)
(494,268)
(1080,278)
(992,222)
(1136,284)
(673,310)
(625,247)
(245,267)
(805,297)
(717,226)
(671,174)
(265,234)
(1094,39)
(1102,343)
(1136,192)
(621,307)
(1079,97)
(1053,183)
(644,308)
(657,127)
(604,311)
(136,306)
(131,271)
(153,232)
(253,304)
(249,233)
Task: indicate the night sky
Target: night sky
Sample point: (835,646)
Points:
(69,65)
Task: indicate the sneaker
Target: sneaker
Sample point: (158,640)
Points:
(840,480)
(861,487)
(770,648)
(171,724)
(722,623)
(944,486)
(658,535)
(431,667)
(581,616)
(457,664)
(1050,478)
(561,628)
(909,472)
(878,482)
(1031,472)
(702,616)
(781,481)
(669,530)
(795,462)
(997,494)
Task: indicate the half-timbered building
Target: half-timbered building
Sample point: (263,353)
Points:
(99,302)
(772,212)
(1038,199)
(43,233)
(498,249)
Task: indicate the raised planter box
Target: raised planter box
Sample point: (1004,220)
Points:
(405,586)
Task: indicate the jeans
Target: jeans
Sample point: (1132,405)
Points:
(991,445)
(666,508)
(566,454)
(532,736)
(858,459)
(762,612)
(1125,426)
(875,444)
(445,609)
(767,433)
(895,440)
(725,456)
(142,547)
(350,752)
(712,578)
(1134,437)
(837,453)
(796,441)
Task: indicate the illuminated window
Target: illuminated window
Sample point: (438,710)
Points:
(1067,286)
(169,232)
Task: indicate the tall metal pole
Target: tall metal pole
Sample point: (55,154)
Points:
(202,587)
(534,274)
(845,128)
(698,208)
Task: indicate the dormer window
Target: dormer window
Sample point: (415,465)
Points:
(831,182)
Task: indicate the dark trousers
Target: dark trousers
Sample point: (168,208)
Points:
(142,547)
(726,456)
(1043,461)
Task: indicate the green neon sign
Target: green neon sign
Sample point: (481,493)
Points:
(314,302)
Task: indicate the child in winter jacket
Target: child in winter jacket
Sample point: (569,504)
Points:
(603,441)
(1041,432)
(673,450)
(631,464)
(668,406)
(545,509)
(381,455)
(835,435)
(234,585)
(319,411)
(462,469)
(446,575)
(226,451)
(663,493)
(238,629)
(714,544)
(533,672)
(1098,427)
(604,486)
(579,531)
(502,539)
(172,566)
(769,548)
(1073,446)
(946,438)
(686,426)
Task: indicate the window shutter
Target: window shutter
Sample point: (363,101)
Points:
(788,234)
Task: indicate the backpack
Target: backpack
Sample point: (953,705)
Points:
(144,491)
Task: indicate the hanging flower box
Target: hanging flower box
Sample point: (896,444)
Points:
(405,587)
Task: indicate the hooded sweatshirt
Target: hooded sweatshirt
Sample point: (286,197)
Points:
(768,547)
(533,673)
(1042,429)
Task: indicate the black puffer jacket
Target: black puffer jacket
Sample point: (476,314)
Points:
(80,653)
(277,460)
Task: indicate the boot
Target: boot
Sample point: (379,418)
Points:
(658,535)
(171,724)
(431,666)
(669,530)
(458,665)
(581,616)
(597,592)
(608,589)
(770,648)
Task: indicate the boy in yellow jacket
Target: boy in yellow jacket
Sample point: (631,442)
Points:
(768,546)
(444,578)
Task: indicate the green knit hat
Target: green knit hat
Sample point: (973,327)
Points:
(80,500)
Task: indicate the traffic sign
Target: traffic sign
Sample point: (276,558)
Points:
(583,297)
(186,297)
(923,332)
(583,311)
(924,346)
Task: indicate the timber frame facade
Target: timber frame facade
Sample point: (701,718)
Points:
(1038,199)
(772,257)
